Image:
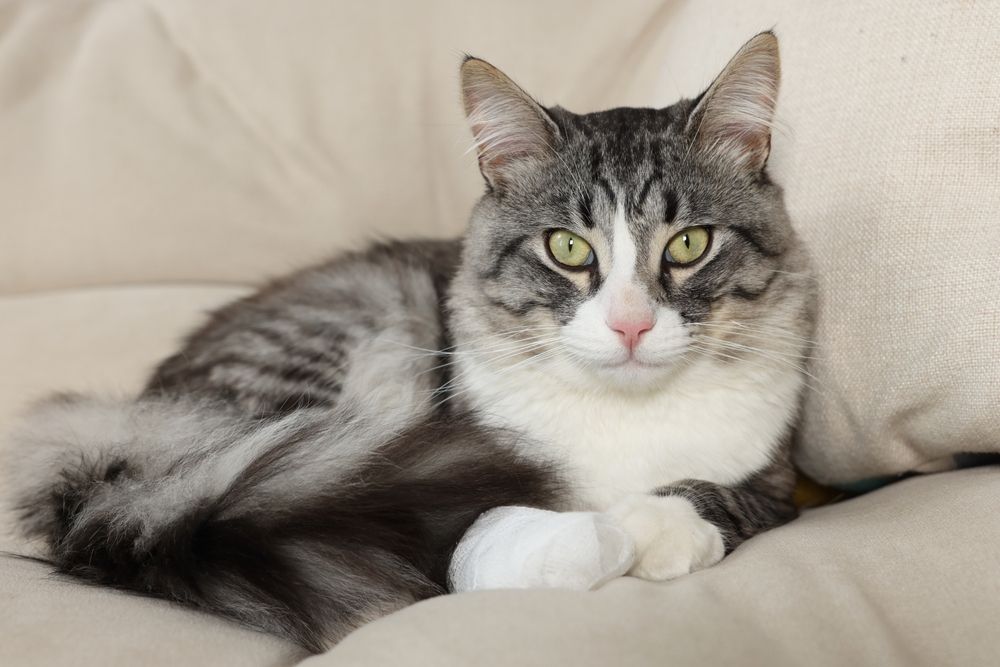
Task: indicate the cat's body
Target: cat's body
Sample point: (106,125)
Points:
(359,328)
(312,456)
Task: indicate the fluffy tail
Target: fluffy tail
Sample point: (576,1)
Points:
(305,526)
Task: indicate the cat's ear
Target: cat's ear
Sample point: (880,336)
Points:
(509,127)
(733,118)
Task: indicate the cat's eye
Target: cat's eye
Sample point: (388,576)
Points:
(688,246)
(569,250)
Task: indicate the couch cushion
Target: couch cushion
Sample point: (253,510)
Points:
(47,621)
(892,173)
(903,576)
(230,141)
(178,140)
(102,339)
(185,140)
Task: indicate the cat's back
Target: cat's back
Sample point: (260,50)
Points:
(353,326)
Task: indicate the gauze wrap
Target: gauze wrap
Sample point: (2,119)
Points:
(523,547)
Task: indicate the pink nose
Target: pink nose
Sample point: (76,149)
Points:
(629,331)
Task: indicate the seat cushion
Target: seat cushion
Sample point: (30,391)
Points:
(903,576)
(99,339)
(48,621)
(160,155)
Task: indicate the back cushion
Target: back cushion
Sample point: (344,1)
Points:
(179,140)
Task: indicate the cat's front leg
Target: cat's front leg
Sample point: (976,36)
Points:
(692,524)
(671,538)
(525,547)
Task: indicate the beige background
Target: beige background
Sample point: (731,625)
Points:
(159,157)
(189,145)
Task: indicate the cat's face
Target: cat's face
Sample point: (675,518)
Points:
(613,246)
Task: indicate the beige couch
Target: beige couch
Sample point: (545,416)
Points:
(158,158)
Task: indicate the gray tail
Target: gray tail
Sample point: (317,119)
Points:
(305,526)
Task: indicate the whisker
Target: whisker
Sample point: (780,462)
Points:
(732,325)
(736,347)
(797,367)
(451,349)
(501,376)
(743,346)
(716,354)
(500,354)
(496,358)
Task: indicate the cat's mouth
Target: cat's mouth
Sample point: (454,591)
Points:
(632,362)
(636,361)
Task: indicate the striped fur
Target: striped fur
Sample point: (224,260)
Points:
(311,456)
(305,525)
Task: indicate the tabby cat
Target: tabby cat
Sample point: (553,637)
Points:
(622,329)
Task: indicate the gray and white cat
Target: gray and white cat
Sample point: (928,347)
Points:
(621,330)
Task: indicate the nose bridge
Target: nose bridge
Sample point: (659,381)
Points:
(628,301)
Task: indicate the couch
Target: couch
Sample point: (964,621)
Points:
(161,157)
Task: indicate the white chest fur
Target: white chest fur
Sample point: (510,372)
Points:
(717,422)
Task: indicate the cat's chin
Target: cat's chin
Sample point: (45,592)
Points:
(630,375)
(637,376)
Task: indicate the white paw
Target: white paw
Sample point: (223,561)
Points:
(584,551)
(520,547)
(671,539)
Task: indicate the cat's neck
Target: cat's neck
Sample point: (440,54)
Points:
(714,420)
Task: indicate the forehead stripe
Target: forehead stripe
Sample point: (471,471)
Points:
(670,206)
(640,200)
(606,186)
(596,167)
(623,251)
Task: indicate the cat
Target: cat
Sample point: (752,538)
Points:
(622,330)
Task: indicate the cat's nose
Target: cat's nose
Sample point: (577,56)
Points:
(630,330)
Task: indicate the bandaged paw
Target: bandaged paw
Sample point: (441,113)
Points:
(671,539)
(522,547)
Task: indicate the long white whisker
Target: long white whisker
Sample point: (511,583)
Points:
(451,349)
(501,354)
(776,332)
(717,354)
(742,346)
(502,375)
(798,367)
(500,357)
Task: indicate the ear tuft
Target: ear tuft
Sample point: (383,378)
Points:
(735,115)
(509,127)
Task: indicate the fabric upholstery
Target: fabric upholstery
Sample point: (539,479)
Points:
(887,579)
(159,157)
(890,167)
(865,582)
(177,140)
(45,621)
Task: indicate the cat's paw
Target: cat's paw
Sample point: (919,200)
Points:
(584,551)
(671,539)
(521,547)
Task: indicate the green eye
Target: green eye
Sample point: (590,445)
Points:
(688,246)
(570,250)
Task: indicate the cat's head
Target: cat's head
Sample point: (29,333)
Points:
(611,246)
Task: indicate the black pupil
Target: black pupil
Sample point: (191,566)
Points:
(687,241)
(569,244)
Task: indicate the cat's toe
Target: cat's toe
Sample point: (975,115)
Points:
(671,538)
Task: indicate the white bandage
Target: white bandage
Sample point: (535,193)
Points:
(523,547)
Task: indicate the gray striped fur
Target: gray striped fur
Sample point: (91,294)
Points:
(310,457)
